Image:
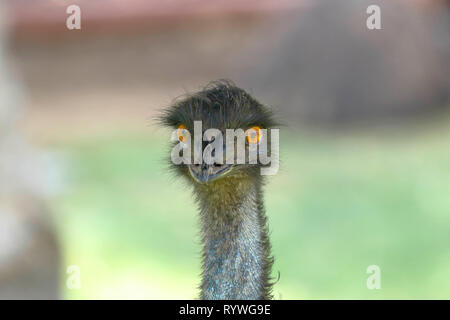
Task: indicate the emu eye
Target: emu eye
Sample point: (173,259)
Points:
(182,133)
(254,135)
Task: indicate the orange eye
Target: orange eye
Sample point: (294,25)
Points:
(182,133)
(254,135)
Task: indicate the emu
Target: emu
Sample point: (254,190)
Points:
(236,258)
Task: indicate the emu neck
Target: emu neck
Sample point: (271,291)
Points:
(236,262)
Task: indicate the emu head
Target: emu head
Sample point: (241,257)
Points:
(225,110)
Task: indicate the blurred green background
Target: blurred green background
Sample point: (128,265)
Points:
(342,201)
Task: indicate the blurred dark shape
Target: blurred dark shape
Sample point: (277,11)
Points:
(328,67)
(29,252)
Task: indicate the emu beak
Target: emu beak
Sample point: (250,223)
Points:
(205,173)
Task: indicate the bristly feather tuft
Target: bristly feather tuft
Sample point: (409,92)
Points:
(220,104)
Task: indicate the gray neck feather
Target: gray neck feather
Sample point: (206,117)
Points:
(235,246)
